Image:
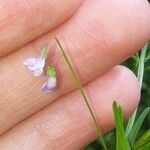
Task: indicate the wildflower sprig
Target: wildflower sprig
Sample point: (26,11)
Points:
(52,81)
(37,65)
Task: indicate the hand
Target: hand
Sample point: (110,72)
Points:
(97,35)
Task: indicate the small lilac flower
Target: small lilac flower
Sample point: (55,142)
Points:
(52,81)
(36,64)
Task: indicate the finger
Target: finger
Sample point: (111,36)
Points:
(68,121)
(21,93)
(23,21)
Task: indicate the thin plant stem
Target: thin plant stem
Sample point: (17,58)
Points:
(147,58)
(140,74)
(79,85)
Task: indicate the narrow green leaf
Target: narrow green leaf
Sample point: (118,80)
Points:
(147,58)
(140,75)
(143,143)
(136,59)
(138,125)
(145,147)
(121,139)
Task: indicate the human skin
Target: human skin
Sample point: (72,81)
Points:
(97,35)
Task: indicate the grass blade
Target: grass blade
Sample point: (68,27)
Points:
(79,85)
(140,75)
(143,143)
(121,139)
(138,125)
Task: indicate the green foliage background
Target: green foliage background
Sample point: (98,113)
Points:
(144,103)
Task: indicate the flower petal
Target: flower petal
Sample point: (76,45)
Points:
(49,85)
(38,72)
(40,63)
(30,61)
(35,64)
(44,87)
(52,82)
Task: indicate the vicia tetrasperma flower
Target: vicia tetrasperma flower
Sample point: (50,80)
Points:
(36,64)
(52,81)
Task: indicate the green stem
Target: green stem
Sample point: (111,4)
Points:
(140,74)
(147,58)
(79,85)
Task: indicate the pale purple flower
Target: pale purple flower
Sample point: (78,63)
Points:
(52,81)
(49,85)
(36,64)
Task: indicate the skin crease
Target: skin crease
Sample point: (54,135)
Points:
(95,42)
(22,21)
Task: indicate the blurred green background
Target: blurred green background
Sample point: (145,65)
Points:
(144,103)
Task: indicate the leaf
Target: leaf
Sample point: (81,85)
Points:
(147,58)
(138,125)
(145,147)
(121,139)
(140,75)
(135,58)
(143,143)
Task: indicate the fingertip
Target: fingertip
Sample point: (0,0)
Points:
(130,88)
(119,84)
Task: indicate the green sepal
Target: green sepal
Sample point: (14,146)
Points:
(44,51)
(51,71)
